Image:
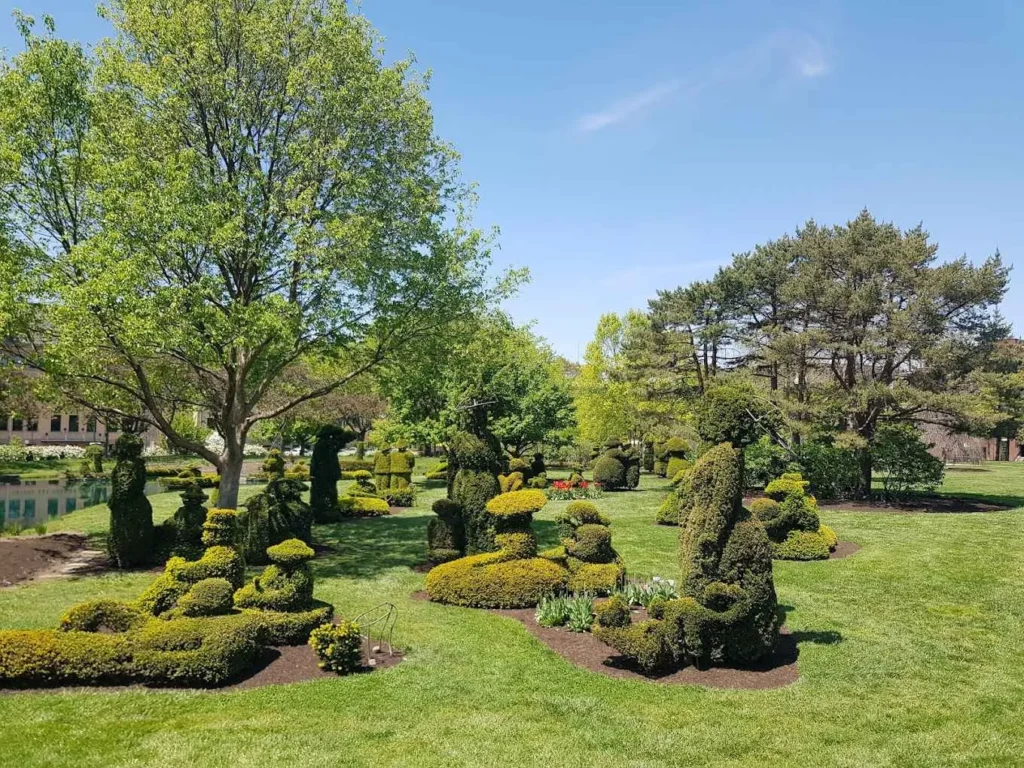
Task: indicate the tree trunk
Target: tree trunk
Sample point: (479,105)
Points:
(865,472)
(230,468)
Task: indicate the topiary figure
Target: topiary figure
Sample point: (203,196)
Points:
(512,577)
(325,472)
(728,612)
(673,456)
(220,560)
(439,472)
(734,414)
(273,465)
(94,455)
(186,525)
(475,483)
(514,481)
(382,468)
(446,537)
(131,539)
(586,549)
(402,463)
(610,473)
(270,517)
(790,517)
(632,461)
(649,458)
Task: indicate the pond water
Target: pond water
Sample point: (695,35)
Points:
(30,502)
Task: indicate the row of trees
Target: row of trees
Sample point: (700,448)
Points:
(842,328)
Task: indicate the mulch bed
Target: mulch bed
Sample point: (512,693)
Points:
(844,549)
(26,557)
(584,650)
(278,666)
(932,504)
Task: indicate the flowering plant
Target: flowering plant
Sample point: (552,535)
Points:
(567,490)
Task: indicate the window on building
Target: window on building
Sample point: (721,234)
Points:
(73,422)
(90,425)
(17,424)
(55,423)
(32,424)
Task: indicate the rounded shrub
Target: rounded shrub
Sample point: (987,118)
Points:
(97,615)
(733,414)
(610,473)
(290,553)
(830,537)
(676,466)
(802,545)
(489,581)
(338,647)
(517,504)
(612,612)
(592,543)
(362,506)
(209,597)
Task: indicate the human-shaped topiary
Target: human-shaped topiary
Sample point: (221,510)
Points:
(617,468)
(273,464)
(131,539)
(728,611)
(512,577)
(475,483)
(402,463)
(220,560)
(675,450)
(185,528)
(586,549)
(735,414)
(446,537)
(94,454)
(270,517)
(325,472)
(790,517)
(382,468)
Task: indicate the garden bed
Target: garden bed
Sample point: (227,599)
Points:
(930,504)
(584,650)
(23,558)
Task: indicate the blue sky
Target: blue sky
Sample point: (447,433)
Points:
(627,147)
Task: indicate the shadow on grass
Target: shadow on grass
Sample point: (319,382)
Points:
(368,547)
(817,637)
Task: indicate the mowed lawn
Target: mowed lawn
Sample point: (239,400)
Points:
(911,654)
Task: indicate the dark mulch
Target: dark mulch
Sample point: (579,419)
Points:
(298,663)
(277,666)
(585,650)
(25,557)
(844,549)
(933,504)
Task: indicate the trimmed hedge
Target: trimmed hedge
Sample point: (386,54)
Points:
(275,515)
(610,473)
(489,581)
(290,627)
(790,517)
(517,504)
(209,597)
(363,506)
(337,647)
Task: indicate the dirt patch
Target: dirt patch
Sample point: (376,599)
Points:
(930,504)
(298,663)
(844,549)
(33,557)
(584,650)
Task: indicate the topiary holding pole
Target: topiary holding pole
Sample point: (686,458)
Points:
(477,466)
(130,543)
(325,472)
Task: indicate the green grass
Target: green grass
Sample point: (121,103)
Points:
(910,655)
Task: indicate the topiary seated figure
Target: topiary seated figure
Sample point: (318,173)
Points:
(512,577)
(131,540)
(382,468)
(475,483)
(790,517)
(184,530)
(270,517)
(586,549)
(446,538)
(610,468)
(221,560)
(728,612)
(325,472)
(402,463)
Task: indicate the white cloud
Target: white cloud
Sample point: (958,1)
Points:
(626,108)
(775,57)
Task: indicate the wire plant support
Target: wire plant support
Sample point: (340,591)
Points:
(378,627)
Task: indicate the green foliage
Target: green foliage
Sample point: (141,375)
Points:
(402,463)
(402,497)
(802,545)
(270,517)
(363,506)
(325,471)
(185,527)
(131,540)
(475,483)
(553,611)
(764,460)
(94,454)
(489,581)
(833,471)
(901,456)
(209,597)
(511,482)
(733,414)
(610,473)
(676,466)
(290,627)
(446,538)
(580,613)
(790,518)
(103,614)
(613,612)
(517,504)
(339,647)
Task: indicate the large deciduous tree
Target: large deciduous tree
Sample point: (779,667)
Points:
(226,191)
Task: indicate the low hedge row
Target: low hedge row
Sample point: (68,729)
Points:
(490,581)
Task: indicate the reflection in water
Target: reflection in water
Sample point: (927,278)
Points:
(28,502)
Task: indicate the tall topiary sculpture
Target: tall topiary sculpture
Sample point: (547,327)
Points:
(130,543)
(586,549)
(94,455)
(402,463)
(185,528)
(446,536)
(475,483)
(728,612)
(382,469)
(325,472)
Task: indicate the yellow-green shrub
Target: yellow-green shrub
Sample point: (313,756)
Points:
(489,581)
(830,536)
(597,579)
(290,627)
(338,647)
(517,504)
(363,506)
